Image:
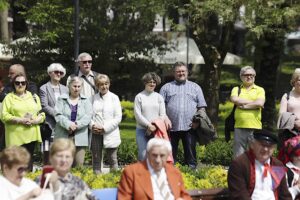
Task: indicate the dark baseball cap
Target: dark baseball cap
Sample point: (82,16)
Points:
(266,136)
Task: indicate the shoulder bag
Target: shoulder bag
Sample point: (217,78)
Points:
(229,121)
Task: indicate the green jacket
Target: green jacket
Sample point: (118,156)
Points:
(63,119)
(15,107)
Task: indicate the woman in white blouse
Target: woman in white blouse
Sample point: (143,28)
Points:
(107,114)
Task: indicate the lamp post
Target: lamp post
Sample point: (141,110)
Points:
(76,33)
(187,40)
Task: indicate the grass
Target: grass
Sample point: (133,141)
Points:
(127,129)
(128,126)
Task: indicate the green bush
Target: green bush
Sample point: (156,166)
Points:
(127,152)
(127,107)
(224,110)
(204,178)
(218,152)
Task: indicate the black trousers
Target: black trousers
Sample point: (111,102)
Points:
(30,148)
(189,146)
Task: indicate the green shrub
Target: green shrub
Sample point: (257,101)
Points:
(224,110)
(218,152)
(127,152)
(128,112)
(204,178)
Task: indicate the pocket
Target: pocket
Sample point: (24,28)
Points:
(191,97)
(171,96)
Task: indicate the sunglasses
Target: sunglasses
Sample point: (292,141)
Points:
(249,75)
(58,73)
(86,61)
(22,169)
(20,83)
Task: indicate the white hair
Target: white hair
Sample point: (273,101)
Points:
(82,55)
(244,69)
(159,142)
(56,67)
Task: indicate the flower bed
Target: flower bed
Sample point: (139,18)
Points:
(203,178)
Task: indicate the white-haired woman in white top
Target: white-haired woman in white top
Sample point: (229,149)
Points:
(49,93)
(107,114)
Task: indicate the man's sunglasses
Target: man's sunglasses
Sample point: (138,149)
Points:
(86,61)
(22,169)
(58,73)
(20,83)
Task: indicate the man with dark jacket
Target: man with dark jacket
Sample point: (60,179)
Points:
(256,175)
(13,71)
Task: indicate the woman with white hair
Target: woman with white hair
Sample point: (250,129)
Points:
(49,93)
(73,113)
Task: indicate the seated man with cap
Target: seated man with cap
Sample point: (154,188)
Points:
(153,178)
(256,174)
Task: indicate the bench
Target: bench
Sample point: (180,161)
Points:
(210,194)
(205,194)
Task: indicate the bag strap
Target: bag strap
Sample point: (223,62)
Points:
(89,82)
(288,95)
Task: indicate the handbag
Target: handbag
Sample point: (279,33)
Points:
(46,194)
(230,121)
(45,129)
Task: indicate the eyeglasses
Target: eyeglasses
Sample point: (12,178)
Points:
(249,75)
(151,82)
(22,169)
(20,83)
(58,73)
(180,71)
(86,61)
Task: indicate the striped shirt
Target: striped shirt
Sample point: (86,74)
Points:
(182,101)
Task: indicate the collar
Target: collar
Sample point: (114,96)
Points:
(66,179)
(262,164)
(291,165)
(66,96)
(181,83)
(151,170)
(90,74)
(103,96)
(253,86)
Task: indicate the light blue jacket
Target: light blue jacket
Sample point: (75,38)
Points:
(63,119)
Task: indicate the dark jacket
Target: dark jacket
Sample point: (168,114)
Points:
(241,184)
(205,131)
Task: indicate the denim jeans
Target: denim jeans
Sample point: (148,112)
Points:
(141,141)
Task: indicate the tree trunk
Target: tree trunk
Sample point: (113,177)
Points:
(213,45)
(267,59)
(211,87)
(4,34)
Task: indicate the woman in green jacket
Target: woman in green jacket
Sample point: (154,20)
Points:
(21,116)
(73,114)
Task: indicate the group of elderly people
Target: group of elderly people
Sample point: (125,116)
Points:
(255,173)
(66,111)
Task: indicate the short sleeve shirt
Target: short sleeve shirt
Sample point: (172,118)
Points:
(182,101)
(248,118)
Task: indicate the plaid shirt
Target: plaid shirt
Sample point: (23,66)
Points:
(182,101)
